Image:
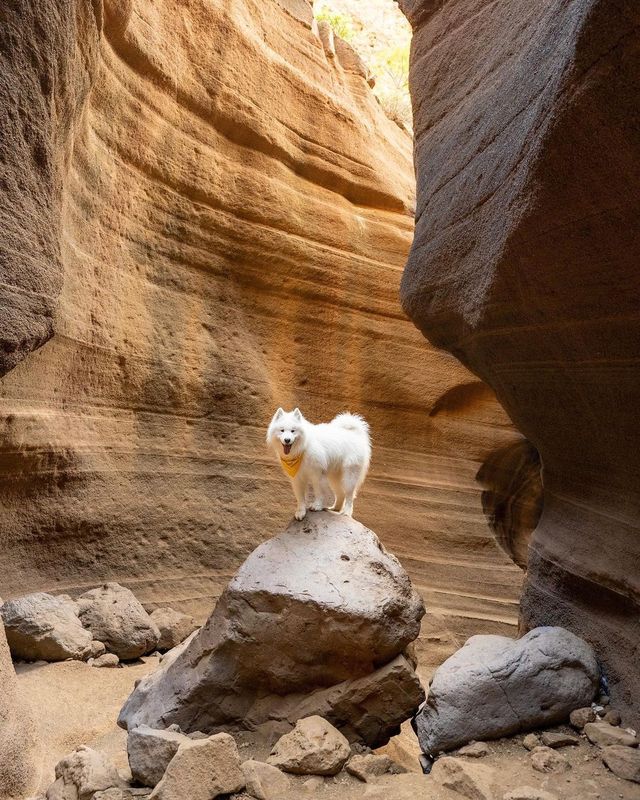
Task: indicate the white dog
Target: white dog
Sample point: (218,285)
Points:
(338,452)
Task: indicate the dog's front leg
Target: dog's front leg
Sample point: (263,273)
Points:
(318,493)
(300,490)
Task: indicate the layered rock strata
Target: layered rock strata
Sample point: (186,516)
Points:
(524,266)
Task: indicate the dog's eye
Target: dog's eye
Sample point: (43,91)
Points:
(281,430)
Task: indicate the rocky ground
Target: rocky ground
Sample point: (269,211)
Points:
(82,704)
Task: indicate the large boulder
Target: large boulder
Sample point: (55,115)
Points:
(40,626)
(318,605)
(524,265)
(114,616)
(149,752)
(495,686)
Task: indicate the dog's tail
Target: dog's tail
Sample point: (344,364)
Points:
(352,422)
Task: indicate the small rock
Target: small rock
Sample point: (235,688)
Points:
(114,616)
(106,660)
(150,751)
(369,766)
(263,781)
(202,770)
(603,734)
(613,718)
(82,773)
(474,750)
(360,749)
(174,627)
(527,793)
(314,747)
(623,762)
(531,741)
(604,700)
(473,781)
(544,759)
(97,649)
(40,626)
(581,716)
(313,785)
(198,735)
(128,793)
(557,740)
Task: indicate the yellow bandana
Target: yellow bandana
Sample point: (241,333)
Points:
(292,466)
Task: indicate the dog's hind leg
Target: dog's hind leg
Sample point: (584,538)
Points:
(351,480)
(335,481)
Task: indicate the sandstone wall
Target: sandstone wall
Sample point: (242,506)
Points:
(231,212)
(525,266)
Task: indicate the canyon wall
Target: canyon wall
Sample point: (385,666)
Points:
(525,266)
(220,229)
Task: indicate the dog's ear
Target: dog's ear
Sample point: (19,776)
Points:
(296,413)
(278,413)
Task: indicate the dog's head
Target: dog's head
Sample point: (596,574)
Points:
(286,431)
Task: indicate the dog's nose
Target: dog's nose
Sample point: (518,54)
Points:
(287,440)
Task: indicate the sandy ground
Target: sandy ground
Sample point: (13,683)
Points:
(78,704)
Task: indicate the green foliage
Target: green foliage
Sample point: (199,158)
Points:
(341,23)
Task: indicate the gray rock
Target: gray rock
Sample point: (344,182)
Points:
(603,734)
(314,747)
(149,751)
(495,686)
(174,627)
(544,759)
(114,616)
(470,780)
(623,762)
(106,660)
(613,718)
(370,765)
(474,750)
(128,793)
(557,740)
(320,604)
(40,626)
(82,773)
(202,770)
(264,781)
(531,741)
(579,718)
(97,649)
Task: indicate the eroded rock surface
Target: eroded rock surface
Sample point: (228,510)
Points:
(495,686)
(319,606)
(524,266)
(212,224)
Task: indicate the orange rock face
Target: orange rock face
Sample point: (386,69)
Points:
(232,213)
(525,266)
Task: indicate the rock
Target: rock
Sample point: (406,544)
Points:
(41,626)
(603,734)
(264,781)
(623,761)
(97,649)
(474,750)
(115,617)
(501,110)
(82,773)
(579,718)
(613,718)
(313,785)
(557,740)
(527,793)
(106,660)
(19,758)
(369,766)
(282,627)
(174,627)
(544,759)
(314,747)
(531,741)
(149,751)
(542,676)
(202,770)
(369,709)
(473,781)
(128,793)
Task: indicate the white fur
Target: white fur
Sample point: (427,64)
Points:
(336,452)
